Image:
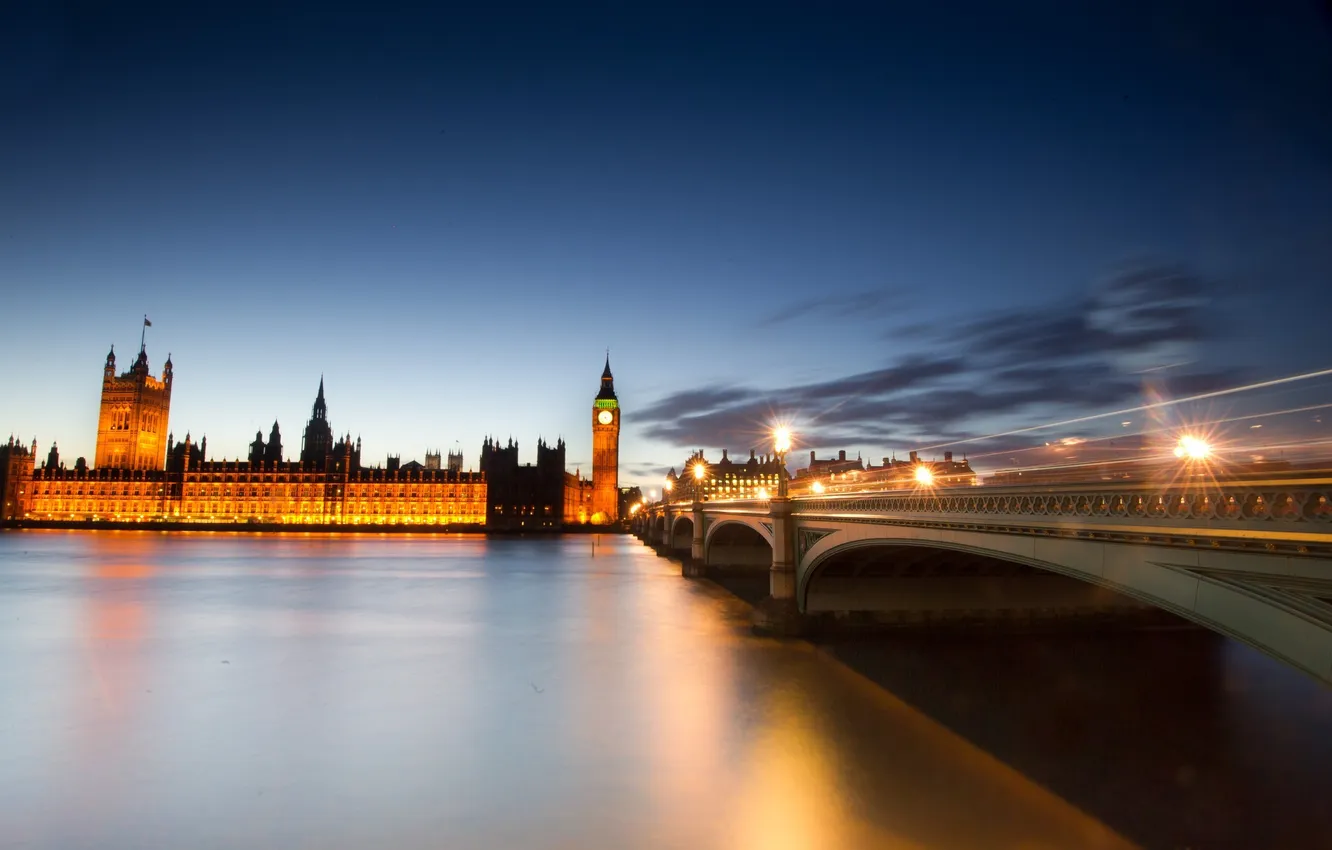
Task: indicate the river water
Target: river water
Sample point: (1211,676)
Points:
(306,691)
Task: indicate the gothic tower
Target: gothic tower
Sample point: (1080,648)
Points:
(317,444)
(16,463)
(132,424)
(606,451)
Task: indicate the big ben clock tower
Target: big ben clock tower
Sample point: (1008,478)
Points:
(606,451)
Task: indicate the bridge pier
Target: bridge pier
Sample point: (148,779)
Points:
(779,614)
(696,566)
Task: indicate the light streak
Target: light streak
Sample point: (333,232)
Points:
(1156,405)
(1091,441)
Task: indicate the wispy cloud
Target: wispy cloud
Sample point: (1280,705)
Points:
(868,304)
(1011,366)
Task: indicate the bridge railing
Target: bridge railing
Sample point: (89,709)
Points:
(1292,510)
(1287,507)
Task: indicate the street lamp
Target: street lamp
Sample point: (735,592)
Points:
(1192,448)
(666,490)
(699,471)
(781,442)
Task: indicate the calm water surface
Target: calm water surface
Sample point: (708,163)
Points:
(337,692)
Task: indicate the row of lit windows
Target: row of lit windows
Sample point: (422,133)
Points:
(459,519)
(125,487)
(319,508)
(121,420)
(204,508)
(351,492)
(298,478)
(60,506)
(49,490)
(41,493)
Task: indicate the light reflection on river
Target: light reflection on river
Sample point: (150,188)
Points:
(303,691)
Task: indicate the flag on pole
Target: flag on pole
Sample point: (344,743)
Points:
(146,323)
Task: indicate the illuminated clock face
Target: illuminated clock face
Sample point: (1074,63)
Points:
(605,417)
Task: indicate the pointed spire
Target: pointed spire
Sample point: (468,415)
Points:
(607,381)
(320,406)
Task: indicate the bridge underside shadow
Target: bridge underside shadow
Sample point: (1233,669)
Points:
(736,546)
(889,584)
(682,535)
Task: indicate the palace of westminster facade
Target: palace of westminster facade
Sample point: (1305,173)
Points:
(141,474)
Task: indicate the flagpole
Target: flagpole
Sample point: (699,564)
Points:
(143,332)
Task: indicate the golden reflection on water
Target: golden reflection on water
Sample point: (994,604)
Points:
(789,795)
(552,694)
(689,718)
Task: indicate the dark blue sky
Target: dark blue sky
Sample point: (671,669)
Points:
(896,226)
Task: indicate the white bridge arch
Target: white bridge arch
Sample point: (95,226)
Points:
(1252,561)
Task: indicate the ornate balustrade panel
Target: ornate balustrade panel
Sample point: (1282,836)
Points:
(1294,517)
(1298,513)
(1296,507)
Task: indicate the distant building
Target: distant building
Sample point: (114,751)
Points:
(132,419)
(756,478)
(849,476)
(629,496)
(946,472)
(270,452)
(523,496)
(327,486)
(141,477)
(318,445)
(16,461)
(577,498)
(823,468)
(606,451)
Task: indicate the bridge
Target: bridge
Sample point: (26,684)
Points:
(1250,559)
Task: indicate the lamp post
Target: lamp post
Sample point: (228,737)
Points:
(1190,448)
(696,566)
(782,443)
(667,486)
(779,613)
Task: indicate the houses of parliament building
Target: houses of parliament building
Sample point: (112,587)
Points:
(141,474)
